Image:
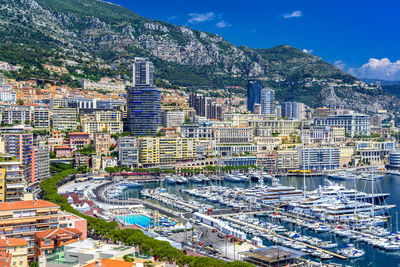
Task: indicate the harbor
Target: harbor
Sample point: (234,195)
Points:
(345,222)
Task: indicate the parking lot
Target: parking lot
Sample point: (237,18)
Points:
(205,240)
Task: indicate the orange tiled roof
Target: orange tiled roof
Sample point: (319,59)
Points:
(55,232)
(12,242)
(27,204)
(77,133)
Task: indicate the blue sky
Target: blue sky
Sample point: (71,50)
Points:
(361,37)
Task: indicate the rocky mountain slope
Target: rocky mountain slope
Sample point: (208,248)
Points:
(100,35)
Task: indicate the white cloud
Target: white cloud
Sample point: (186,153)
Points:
(378,69)
(172,17)
(294,14)
(201,17)
(308,51)
(339,64)
(223,24)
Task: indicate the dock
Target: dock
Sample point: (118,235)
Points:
(285,237)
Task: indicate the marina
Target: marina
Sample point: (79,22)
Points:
(352,235)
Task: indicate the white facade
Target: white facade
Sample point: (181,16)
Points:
(267,101)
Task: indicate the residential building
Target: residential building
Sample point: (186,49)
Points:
(239,161)
(81,159)
(7,95)
(63,151)
(267,101)
(64,119)
(142,71)
(322,112)
(91,126)
(17,249)
(128,153)
(16,114)
(41,154)
(293,110)
(233,135)
(165,150)
(319,158)
(374,152)
(41,117)
(101,142)
(173,118)
(354,124)
(108,162)
(323,134)
(20,145)
(84,252)
(237,149)
(203,131)
(66,219)
(394,160)
(144,110)
(286,160)
(78,140)
(103,85)
(254,88)
(48,241)
(24,218)
(205,106)
(82,103)
(12,182)
(96,163)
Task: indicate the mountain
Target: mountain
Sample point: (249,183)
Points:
(381,82)
(93,38)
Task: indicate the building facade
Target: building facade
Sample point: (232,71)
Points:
(144,110)
(101,142)
(64,119)
(166,150)
(21,219)
(267,101)
(354,124)
(21,147)
(128,153)
(293,110)
(253,94)
(319,158)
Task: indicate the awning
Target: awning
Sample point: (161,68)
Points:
(43,210)
(29,220)
(8,229)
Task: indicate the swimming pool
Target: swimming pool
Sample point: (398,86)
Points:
(138,219)
(144,221)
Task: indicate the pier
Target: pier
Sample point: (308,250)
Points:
(285,237)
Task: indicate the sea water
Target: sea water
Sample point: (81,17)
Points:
(373,257)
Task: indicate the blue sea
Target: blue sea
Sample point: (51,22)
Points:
(373,257)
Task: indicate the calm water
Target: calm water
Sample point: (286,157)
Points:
(373,257)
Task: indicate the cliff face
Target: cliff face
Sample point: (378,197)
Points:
(101,32)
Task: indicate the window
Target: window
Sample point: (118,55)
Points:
(47,242)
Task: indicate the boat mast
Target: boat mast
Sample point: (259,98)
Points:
(373,197)
(304,171)
(250,177)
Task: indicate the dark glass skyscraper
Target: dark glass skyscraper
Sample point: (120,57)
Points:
(143,100)
(253,94)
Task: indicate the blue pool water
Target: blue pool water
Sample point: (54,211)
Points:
(138,219)
(144,221)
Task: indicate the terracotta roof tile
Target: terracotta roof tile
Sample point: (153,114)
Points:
(55,232)
(26,204)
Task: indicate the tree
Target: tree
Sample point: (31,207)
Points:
(34,264)
(52,155)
